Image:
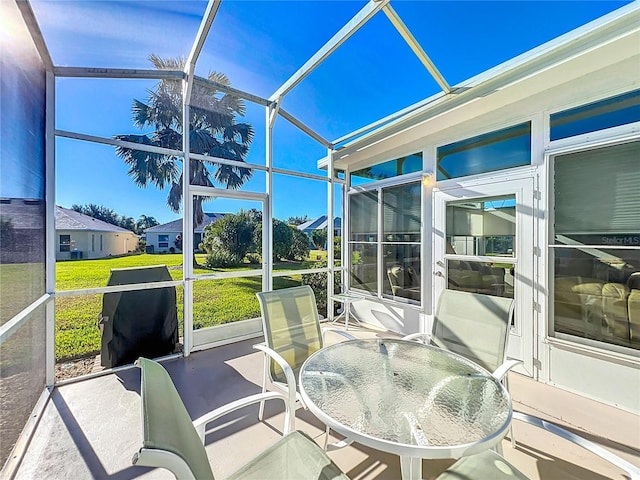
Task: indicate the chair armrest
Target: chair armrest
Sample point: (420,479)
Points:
(201,422)
(286,368)
(424,337)
(346,335)
(632,470)
(502,370)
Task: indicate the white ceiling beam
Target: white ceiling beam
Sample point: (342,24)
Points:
(369,10)
(203,31)
(205,82)
(34,29)
(196,48)
(90,72)
(287,116)
(117,143)
(408,37)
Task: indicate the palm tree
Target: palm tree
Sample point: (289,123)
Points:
(213,131)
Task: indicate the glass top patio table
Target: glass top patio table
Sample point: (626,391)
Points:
(407,398)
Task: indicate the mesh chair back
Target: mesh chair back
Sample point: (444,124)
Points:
(166,422)
(291,326)
(473,325)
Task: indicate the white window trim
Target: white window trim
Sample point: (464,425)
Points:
(579,143)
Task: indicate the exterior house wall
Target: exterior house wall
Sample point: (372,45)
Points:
(597,72)
(153,238)
(112,244)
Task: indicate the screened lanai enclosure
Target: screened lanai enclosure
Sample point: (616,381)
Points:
(465,146)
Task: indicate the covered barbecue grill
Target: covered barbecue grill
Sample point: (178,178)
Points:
(140,322)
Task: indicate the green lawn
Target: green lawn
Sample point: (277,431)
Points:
(215,301)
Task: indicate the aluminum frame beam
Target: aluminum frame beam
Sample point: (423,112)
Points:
(362,17)
(36,34)
(90,72)
(293,120)
(408,37)
(207,20)
(118,143)
(205,82)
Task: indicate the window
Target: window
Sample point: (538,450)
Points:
(483,227)
(608,113)
(393,168)
(163,241)
(65,243)
(100,242)
(401,240)
(363,240)
(397,238)
(596,245)
(507,148)
(93,242)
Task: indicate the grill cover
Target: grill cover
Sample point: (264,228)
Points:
(138,323)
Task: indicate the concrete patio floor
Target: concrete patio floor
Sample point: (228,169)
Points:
(91,428)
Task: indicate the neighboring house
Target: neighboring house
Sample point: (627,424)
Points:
(162,238)
(81,236)
(320,223)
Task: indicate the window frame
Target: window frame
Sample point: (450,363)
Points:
(64,247)
(379,187)
(579,143)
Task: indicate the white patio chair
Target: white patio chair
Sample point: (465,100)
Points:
(172,441)
(475,326)
(292,333)
(491,465)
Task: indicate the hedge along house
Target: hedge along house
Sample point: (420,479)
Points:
(80,236)
(521,181)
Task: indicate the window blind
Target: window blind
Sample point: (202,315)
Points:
(598,191)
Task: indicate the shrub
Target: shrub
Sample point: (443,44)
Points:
(232,233)
(299,245)
(221,259)
(253,258)
(282,239)
(318,283)
(319,238)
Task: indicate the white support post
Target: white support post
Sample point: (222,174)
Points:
(50,227)
(344,245)
(380,253)
(330,228)
(187,226)
(187,197)
(267,215)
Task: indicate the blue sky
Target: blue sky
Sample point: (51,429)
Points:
(259,44)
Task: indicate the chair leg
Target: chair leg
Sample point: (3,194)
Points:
(264,388)
(505,380)
(326,438)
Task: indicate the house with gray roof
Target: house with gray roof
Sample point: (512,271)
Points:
(320,223)
(163,238)
(81,236)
